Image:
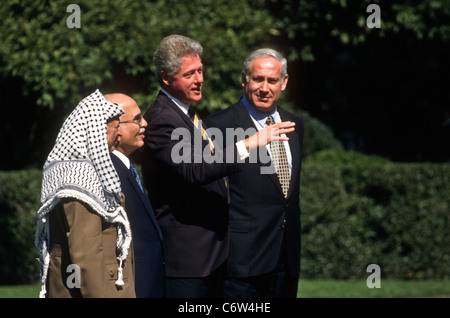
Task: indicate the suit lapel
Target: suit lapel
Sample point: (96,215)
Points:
(169,102)
(142,196)
(243,119)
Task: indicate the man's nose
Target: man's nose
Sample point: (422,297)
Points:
(264,86)
(119,131)
(198,77)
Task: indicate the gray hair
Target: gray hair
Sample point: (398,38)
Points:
(171,51)
(265,52)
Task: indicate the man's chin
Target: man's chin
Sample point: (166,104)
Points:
(264,107)
(196,97)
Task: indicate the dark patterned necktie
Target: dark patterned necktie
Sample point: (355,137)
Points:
(136,176)
(279,159)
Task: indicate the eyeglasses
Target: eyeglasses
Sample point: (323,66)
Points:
(136,120)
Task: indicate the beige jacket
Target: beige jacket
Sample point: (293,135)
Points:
(79,236)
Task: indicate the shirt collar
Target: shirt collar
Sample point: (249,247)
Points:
(259,116)
(184,107)
(122,157)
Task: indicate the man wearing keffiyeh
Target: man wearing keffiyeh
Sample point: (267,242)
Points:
(83,232)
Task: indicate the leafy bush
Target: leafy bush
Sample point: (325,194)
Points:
(395,215)
(340,156)
(317,135)
(19,201)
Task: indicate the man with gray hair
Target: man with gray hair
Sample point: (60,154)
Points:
(190,197)
(264,214)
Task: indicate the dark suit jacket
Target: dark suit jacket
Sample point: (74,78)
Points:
(259,214)
(190,198)
(147,236)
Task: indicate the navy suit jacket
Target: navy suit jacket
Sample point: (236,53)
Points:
(147,237)
(264,225)
(190,198)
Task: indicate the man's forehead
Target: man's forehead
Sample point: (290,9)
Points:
(265,63)
(190,62)
(130,109)
(120,99)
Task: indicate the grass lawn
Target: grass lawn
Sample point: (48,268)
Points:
(315,289)
(20,291)
(358,289)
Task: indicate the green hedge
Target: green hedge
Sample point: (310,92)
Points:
(356,210)
(317,136)
(19,200)
(396,215)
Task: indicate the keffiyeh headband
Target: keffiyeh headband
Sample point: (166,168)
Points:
(79,166)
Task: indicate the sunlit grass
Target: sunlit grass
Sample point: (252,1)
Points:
(309,288)
(359,289)
(20,291)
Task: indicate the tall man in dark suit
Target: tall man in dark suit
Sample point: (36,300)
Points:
(190,196)
(147,236)
(264,257)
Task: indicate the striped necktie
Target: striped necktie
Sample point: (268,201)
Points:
(280,162)
(195,119)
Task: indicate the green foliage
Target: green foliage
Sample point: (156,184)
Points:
(52,67)
(391,214)
(309,25)
(340,156)
(19,201)
(59,64)
(317,136)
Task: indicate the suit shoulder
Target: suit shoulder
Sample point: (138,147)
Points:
(224,115)
(221,113)
(158,106)
(161,113)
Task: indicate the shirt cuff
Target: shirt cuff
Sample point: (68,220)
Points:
(242,151)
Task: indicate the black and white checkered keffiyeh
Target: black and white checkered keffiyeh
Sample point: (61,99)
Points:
(79,166)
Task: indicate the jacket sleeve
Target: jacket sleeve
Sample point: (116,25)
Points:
(183,149)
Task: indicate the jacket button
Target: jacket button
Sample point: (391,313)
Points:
(111,274)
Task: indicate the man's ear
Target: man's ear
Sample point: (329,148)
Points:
(166,78)
(283,86)
(243,79)
(117,142)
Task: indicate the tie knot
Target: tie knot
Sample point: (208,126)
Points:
(270,120)
(191,112)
